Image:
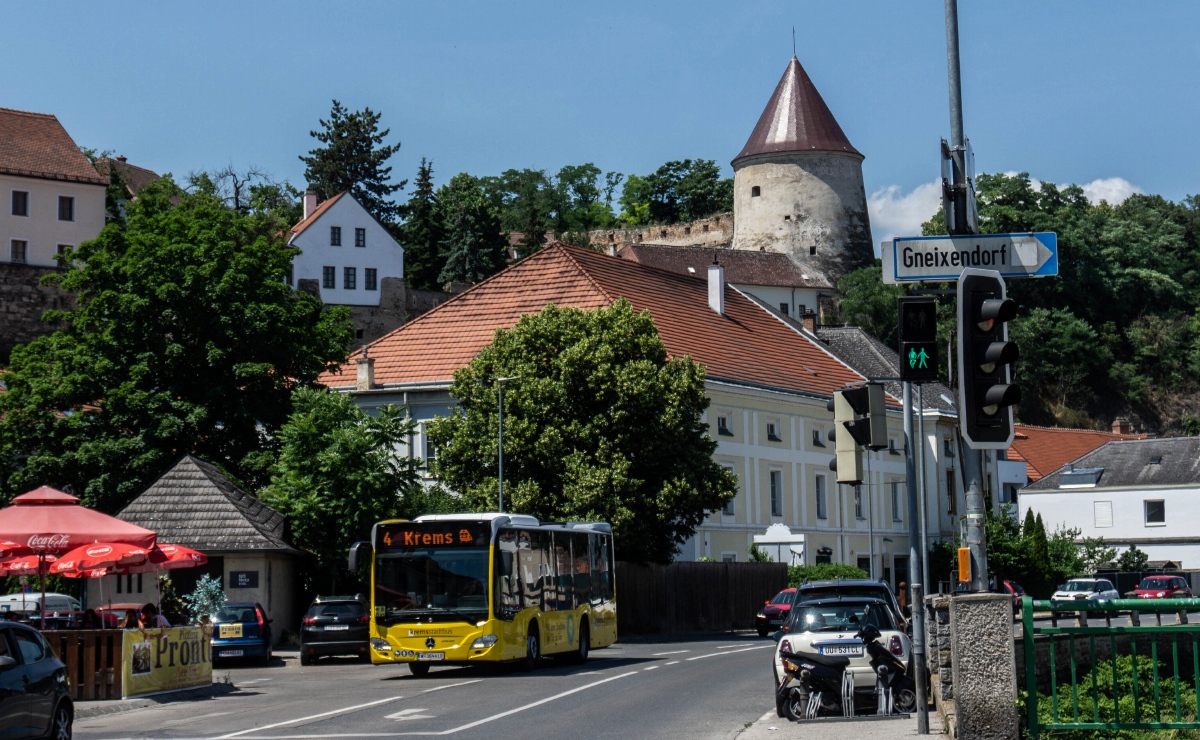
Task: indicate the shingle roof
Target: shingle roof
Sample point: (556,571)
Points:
(299,228)
(1127,464)
(1046,449)
(136,177)
(194,504)
(874,359)
(796,119)
(742,267)
(746,345)
(37,145)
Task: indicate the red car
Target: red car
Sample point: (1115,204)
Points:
(1163,587)
(1014,590)
(774,613)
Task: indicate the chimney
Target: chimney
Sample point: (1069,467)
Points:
(716,287)
(366,372)
(310,202)
(121,159)
(809,319)
(1121,425)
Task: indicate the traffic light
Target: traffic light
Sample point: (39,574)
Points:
(986,393)
(858,421)
(918,339)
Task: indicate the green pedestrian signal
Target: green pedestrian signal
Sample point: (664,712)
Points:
(918,339)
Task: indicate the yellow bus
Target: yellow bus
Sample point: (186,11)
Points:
(455,589)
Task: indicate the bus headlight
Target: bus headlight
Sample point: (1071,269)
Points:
(380,645)
(484,642)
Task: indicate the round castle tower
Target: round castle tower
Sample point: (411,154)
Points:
(798,185)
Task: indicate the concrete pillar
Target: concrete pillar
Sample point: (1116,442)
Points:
(984,669)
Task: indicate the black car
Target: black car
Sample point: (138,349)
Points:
(35,700)
(335,625)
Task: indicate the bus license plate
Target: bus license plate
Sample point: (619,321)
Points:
(329,627)
(431,656)
(841,650)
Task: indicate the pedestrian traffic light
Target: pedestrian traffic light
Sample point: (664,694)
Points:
(858,421)
(918,339)
(985,390)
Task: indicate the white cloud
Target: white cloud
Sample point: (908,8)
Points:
(896,213)
(1112,189)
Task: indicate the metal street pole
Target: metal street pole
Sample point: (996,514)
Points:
(916,558)
(924,503)
(500,447)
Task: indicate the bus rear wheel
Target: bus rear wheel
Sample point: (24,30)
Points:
(420,670)
(533,648)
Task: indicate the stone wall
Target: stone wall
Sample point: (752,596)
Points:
(398,304)
(707,232)
(23,300)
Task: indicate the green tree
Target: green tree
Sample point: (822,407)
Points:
(184,340)
(423,233)
(206,600)
(635,201)
(1132,560)
(339,471)
(1094,553)
(354,158)
(756,554)
(680,190)
(798,574)
(117,190)
(474,246)
(870,304)
(599,424)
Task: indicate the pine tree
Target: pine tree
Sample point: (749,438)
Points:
(354,158)
(469,255)
(423,233)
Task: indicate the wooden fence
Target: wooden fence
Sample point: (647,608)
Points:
(93,659)
(694,597)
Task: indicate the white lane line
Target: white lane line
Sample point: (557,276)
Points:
(410,714)
(729,652)
(723,647)
(311,716)
(650,668)
(192,719)
(450,686)
(256,680)
(671,652)
(673,662)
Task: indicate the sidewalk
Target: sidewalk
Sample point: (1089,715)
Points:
(771,727)
(86,709)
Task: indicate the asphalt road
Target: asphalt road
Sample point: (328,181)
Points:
(701,689)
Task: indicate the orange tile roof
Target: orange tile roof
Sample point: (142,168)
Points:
(312,217)
(1046,449)
(747,345)
(37,145)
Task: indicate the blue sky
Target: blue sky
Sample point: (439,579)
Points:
(1070,91)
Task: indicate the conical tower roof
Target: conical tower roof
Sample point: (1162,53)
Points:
(796,120)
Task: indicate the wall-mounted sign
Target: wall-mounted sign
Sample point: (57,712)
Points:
(243,579)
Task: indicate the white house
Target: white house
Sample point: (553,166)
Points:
(52,196)
(345,250)
(1143,492)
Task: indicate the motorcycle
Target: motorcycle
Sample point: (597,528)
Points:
(815,683)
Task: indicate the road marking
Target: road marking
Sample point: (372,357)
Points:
(192,719)
(450,685)
(672,652)
(311,716)
(673,662)
(722,647)
(588,673)
(650,668)
(730,652)
(407,714)
(256,680)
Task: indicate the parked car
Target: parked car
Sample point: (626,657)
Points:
(32,602)
(774,612)
(1163,587)
(241,630)
(335,625)
(827,626)
(857,587)
(35,698)
(1014,590)
(1086,589)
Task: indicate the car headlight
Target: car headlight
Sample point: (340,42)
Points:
(484,642)
(762,616)
(381,645)
(1162,594)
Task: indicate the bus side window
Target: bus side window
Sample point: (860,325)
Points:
(563,598)
(535,566)
(581,569)
(508,575)
(597,583)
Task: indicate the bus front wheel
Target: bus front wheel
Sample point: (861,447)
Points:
(419,669)
(533,648)
(585,643)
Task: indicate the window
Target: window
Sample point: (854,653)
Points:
(822,512)
(430,447)
(20,203)
(858,503)
(62,254)
(801,309)
(951,493)
(19,251)
(1102,513)
(288,278)
(335,236)
(66,208)
(723,426)
(896,516)
(730,507)
(776,492)
(817,441)
(947,447)
(1156,513)
(773,432)
(864,563)
(892,446)
(812,251)
(328,277)
(755,191)
(349,278)
(824,557)
(360,237)
(783,308)
(370,282)
(29,645)
(729,557)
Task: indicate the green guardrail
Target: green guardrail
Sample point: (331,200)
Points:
(1167,712)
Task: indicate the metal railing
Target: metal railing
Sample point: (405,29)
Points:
(1087,703)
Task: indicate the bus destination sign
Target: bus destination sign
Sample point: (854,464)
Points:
(431,534)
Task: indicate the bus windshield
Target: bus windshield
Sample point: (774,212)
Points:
(434,584)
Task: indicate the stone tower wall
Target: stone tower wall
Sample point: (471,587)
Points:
(23,300)
(812,206)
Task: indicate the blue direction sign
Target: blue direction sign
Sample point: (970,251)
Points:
(943,258)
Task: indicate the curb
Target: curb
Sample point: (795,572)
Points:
(100,708)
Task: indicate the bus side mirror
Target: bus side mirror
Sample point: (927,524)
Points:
(360,552)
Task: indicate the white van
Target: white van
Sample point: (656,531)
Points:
(32,602)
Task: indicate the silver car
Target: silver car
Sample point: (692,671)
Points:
(1086,589)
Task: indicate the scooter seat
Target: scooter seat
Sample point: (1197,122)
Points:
(829,661)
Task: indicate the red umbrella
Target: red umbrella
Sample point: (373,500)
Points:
(26,565)
(100,555)
(47,520)
(167,557)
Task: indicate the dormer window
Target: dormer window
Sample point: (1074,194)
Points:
(755,191)
(773,432)
(723,425)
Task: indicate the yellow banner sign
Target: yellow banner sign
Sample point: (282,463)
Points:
(166,659)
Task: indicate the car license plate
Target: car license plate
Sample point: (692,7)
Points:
(231,653)
(332,627)
(776,621)
(431,656)
(230,630)
(841,650)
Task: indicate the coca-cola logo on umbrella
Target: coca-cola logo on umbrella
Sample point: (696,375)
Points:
(48,541)
(95,552)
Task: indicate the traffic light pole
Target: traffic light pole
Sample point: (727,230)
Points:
(916,558)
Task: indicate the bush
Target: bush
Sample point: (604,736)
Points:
(798,574)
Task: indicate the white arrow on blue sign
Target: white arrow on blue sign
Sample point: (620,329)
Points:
(942,258)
